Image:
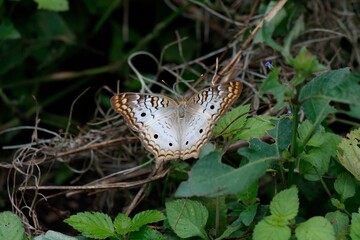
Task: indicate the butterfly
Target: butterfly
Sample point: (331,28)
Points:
(172,129)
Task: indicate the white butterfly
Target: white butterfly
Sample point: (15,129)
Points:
(172,129)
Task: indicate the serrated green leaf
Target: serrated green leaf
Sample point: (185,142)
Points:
(306,63)
(146,233)
(53,235)
(232,122)
(339,221)
(11,226)
(315,228)
(146,217)
(92,224)
(187,218)
(345,186)
(255,127)
(265,230)
(355,226)
(122,224)
(209,177)
(349,151)
(285,204)
(53,5)
(330,86)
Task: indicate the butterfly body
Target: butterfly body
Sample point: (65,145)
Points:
(173,129)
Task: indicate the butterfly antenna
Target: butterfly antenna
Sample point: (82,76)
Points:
(118,87)
(216,71)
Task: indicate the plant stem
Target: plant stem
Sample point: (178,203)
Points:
(293,147)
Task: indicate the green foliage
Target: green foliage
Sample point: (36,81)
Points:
(11,226)
(340,223)
(236,125)
(100,226)
(349,152)
(274,86)
(315,228)
(284,208)
(187,218)
(285,205)
(53,5)
(317,94)
(355,226)
(92,224)
(53,235)
(223,176)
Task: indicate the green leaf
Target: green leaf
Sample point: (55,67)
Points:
(92,224)
(247,216)
(355,226)
(315,228)
(53,235)
(296,29)
(345,186)
(53,5)
(209,177)
(187,218)
(275,21)
(146,233)
(330,86)
(8,31)
(347,92)
(339,221)
(268,231)
(232,122)
(319,156)
(122,224)
(146,217)
(229,230)
(285,204)
(336,203)
(249,195)
(255,127)
(306,64)
(349,151)
(11,226)
(305,129)
(273,85)
(52,26)
(281,133)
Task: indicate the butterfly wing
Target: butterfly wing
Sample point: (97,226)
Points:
(202,112)
(155,118)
